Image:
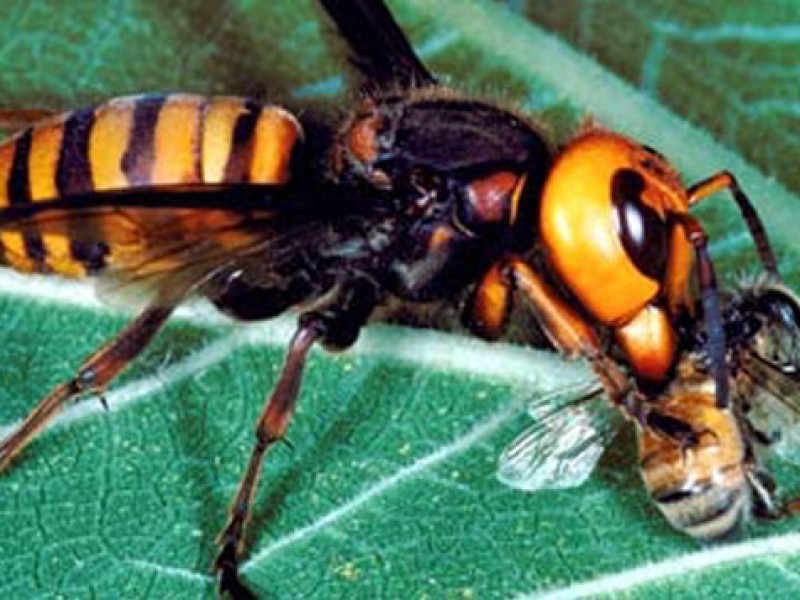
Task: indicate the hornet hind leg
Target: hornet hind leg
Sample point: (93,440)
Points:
(94,375)
(336,326)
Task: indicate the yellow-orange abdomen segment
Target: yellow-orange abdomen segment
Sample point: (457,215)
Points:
(176,141)
(603,223)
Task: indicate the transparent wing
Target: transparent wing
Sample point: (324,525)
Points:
(767,373)
(771,394)
(570,432)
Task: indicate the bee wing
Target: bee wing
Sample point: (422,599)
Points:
(772,393)
(163,239)
(378,47)
(571,430)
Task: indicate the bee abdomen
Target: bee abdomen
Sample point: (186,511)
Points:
(131,143)
(707,511)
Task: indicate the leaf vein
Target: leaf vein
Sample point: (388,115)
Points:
(172,572)
(693,562)
(463,443)
(201,360)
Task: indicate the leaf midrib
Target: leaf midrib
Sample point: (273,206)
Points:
(620,106)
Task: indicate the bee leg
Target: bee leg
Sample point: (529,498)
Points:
(725,180)
(673,428)
(336,327)
(763,487)
(667,426)
(759,436)
(93,375)
(679,431)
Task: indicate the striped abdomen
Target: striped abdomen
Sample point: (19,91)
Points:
(131,143)
(704,490)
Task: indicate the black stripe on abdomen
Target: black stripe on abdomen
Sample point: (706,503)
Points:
(137,162)
(73,177)
(19,192)
(237,169)
(74,171)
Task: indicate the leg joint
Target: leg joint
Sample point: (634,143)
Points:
(85,379)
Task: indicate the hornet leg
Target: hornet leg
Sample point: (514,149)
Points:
(725,180)
(336,327)
(570,334)
(94,375)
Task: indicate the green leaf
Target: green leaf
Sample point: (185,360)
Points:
(390,490)
(731,72)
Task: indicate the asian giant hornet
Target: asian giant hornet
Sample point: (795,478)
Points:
(420,195)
